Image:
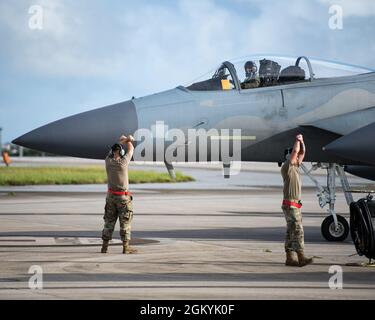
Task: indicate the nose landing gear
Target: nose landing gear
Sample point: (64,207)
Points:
(332,233)
(334,227)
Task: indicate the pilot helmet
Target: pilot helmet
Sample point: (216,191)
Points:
(221,72)
(250,65)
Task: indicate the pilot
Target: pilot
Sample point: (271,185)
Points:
(252,79)
(291,206)
(221,73)
(119,199)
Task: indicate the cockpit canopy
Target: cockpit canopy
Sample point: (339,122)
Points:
(222,79)
(271,71)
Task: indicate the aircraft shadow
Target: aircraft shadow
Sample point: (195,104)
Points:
(362,278)
(273,234)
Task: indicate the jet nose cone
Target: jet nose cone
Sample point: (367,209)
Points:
(84,135)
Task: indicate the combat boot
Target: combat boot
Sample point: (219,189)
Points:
(291,259)
(303,260)
(105,246)
(126,248)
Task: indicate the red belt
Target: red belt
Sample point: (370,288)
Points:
(291,204)
(119,193)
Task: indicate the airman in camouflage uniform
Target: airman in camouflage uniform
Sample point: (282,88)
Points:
(119,200)
(294,241)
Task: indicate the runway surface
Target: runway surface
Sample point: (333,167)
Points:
(209,239)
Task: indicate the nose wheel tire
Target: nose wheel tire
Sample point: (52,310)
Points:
(329,231)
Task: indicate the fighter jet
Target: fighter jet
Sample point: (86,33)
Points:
(270,102)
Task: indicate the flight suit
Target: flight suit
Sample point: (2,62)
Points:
(250,83)
(118,206)
(294,240)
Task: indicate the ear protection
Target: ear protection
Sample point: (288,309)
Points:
(287,152)
(122,151)
(119,147)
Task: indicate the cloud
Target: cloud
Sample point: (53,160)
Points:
(301,28)
(180,43)
(91,52)
(60,48)
(161,43)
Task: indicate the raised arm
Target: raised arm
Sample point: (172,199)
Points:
(302,151)
(295,152)
(129,143)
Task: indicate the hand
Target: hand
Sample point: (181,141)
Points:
(130,138)
(299,137)
(123,139)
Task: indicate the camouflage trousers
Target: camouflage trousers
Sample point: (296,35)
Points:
(120,207)
(294,239)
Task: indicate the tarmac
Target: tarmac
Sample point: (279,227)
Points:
(213,238)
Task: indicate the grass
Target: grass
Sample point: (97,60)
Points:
(18,176)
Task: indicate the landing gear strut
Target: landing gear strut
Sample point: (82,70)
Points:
(334,227)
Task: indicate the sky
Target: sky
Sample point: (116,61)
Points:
(93,53)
